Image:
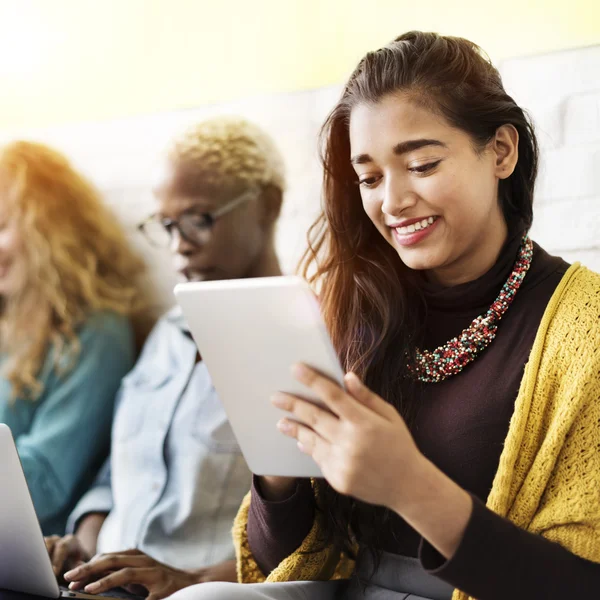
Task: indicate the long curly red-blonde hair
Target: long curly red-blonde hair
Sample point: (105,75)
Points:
(74,259)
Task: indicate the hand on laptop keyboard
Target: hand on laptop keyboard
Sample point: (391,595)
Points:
(138,572)
(66,553)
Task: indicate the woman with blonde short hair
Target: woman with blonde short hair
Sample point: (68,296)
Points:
(176,477)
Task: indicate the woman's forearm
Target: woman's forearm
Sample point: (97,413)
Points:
(435,506)
(276,527)
(89,530)
(486,556)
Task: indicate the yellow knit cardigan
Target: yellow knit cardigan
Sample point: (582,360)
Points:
(548,478)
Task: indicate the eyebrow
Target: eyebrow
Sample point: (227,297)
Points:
(192,209)
(399,149)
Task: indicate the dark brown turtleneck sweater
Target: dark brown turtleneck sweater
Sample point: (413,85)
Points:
(461,426)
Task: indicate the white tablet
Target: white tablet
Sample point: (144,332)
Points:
(249,333)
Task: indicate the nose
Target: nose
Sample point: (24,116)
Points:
(397,196)
(179,245)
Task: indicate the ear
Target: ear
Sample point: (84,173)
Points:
(271,200)
(506,148)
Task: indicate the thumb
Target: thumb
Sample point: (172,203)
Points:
(359,391)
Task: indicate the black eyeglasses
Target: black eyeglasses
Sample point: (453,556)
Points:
(194,227)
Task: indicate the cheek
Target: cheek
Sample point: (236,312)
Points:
(471,191)
(9,245)
(454,198)
(443,191)
(237,242)
(372,207)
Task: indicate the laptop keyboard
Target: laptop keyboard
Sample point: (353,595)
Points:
(114,593)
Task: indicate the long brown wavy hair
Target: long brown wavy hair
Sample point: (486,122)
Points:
(74,259)
(369,298)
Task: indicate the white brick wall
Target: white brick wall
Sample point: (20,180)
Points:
(581,122)
(561,90)
(120,157)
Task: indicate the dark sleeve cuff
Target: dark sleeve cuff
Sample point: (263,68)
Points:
(276,529)
(497,560)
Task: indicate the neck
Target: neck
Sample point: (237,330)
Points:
(267,264)
(476,261)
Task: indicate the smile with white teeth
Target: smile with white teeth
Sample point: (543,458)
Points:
(418,226)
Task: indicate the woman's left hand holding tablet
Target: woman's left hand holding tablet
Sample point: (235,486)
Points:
(365,450)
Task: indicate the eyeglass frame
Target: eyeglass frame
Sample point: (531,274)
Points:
(210,218)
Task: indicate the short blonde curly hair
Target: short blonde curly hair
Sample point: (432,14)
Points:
(226,155)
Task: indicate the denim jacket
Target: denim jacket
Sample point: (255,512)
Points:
(175,477)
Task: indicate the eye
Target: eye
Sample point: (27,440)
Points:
(369,182)
(425,168)
(167,224)
(195,220)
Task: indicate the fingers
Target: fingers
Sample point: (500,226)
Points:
(50,546)
(308,441)
(50,542)
(59,558)
(123,577)
(104,563)
(75,586)
(329,392)
(58,549)
(318,419)
(358,390)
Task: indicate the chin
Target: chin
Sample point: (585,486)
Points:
(8,287)
(195,278)
(419,265)
(431,252)
(421,260)
(210,275)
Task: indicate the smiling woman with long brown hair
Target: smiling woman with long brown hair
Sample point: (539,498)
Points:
(462,456)
(70,307)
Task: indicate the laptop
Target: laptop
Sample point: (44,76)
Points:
(25,565)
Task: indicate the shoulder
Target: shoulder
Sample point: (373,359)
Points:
(577,301)
(106,323)
(104,348)
(170,326)
(571,324)
(106,330)
(167,343)
(586,285)
(546,269)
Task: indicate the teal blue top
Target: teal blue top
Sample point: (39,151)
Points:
(63,436)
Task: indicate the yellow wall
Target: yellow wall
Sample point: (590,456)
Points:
(72,60)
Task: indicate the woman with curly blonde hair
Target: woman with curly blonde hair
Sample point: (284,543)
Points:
(69,298)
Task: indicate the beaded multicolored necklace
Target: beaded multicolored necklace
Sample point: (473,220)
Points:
(451,358)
